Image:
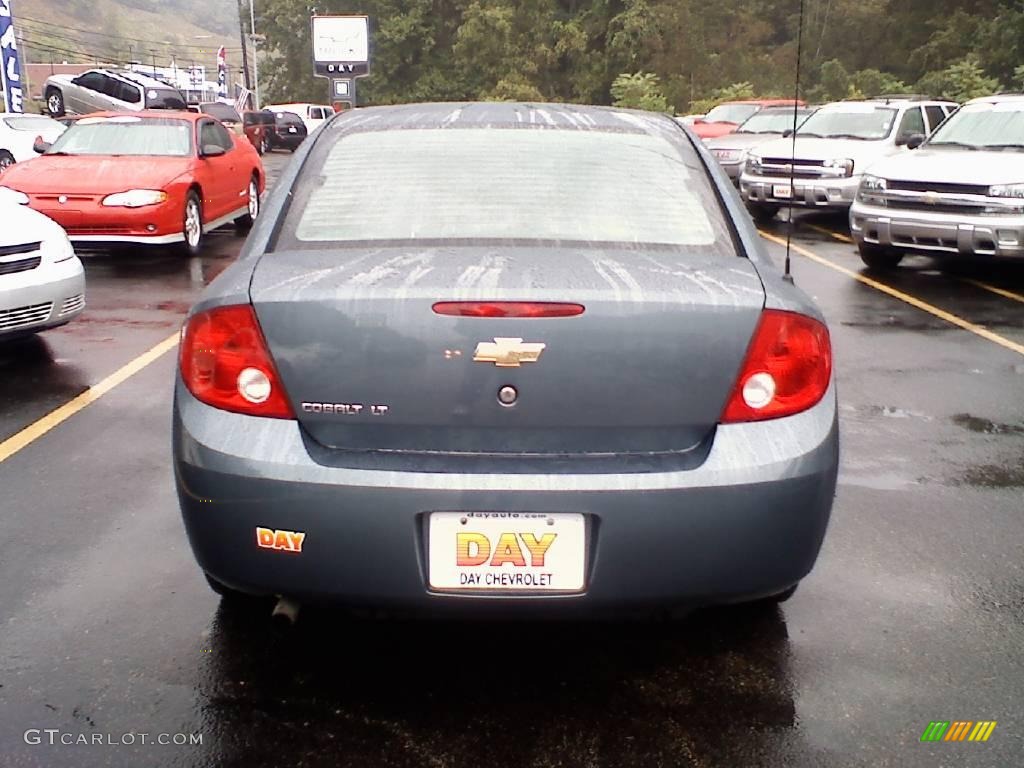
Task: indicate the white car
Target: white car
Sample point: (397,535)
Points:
(42,283)
(833,148)
(19,132)
(312,115)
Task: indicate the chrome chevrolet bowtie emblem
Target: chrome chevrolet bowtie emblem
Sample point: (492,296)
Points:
(930,197)
(62,199)
(508,353)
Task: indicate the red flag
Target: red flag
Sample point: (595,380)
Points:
(222,72)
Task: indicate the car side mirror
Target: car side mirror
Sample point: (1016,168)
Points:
(915,140)
(787,133)
(40,146)
(212,150)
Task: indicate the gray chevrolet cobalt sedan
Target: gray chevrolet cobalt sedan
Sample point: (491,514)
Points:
(505,357)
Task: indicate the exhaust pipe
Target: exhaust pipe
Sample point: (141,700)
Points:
(286,612)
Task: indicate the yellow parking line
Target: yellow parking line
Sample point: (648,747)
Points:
(37,429)
(931,309)
(994,289)
(976,283)
(830,233)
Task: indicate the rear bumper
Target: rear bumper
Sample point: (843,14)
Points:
(748,523)
(837,193)
(41,298)
(939,233)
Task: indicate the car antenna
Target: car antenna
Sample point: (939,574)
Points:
(787,274)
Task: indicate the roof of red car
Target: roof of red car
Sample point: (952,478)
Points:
(166,114)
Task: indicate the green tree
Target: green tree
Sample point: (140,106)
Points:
(872,83)
(960,81)
(833,83)
(640,90)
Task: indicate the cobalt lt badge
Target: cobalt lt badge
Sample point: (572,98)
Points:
(508,353)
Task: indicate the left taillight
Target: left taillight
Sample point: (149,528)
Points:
(787,369)
(225,363)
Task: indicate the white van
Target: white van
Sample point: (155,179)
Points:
(312,114)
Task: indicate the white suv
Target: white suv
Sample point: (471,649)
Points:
(961,194)
(834,146)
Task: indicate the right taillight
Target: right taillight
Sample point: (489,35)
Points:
(787,368)
(225,363)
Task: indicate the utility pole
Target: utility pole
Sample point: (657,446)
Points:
(255,58)
(245,54)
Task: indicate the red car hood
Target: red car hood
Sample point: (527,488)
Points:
(92,174)
(713,130)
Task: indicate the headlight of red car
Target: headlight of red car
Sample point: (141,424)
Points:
(135,198)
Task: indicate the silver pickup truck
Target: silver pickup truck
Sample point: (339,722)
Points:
(959,195)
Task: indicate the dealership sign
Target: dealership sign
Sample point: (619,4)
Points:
(341,46)
(10,68)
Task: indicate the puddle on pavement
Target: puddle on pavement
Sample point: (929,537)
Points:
(986,427)
(1009,475)
(887,411)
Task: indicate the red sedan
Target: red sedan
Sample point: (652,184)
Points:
(155,178)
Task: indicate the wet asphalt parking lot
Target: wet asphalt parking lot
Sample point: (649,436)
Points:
(913,613)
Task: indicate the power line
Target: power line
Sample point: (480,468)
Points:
(47,26)
(89,59)
(110,47)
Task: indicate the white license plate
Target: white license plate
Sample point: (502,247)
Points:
(783,191)
(507,551)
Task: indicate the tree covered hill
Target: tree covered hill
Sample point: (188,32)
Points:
(698,50)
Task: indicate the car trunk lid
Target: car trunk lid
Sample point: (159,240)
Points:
(369,365)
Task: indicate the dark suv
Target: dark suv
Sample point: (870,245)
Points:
(288,132)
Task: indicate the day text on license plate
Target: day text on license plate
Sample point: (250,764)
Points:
(507,551)
(782,190)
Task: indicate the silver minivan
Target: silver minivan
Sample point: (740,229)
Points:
(106,90)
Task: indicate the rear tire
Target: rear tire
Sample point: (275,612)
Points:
(779,598)
(6,160)
(244,223)
(232,596)
(762,213)
(55,102)
(192,226)
(878,257)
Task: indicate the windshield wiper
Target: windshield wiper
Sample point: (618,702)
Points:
(57,154)
(812,135)
(952,144)
(1001,146)
(846,136)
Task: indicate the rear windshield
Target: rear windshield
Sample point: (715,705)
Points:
(504,184)
(288,118)
(164,98)
(146,137)
(223,112)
